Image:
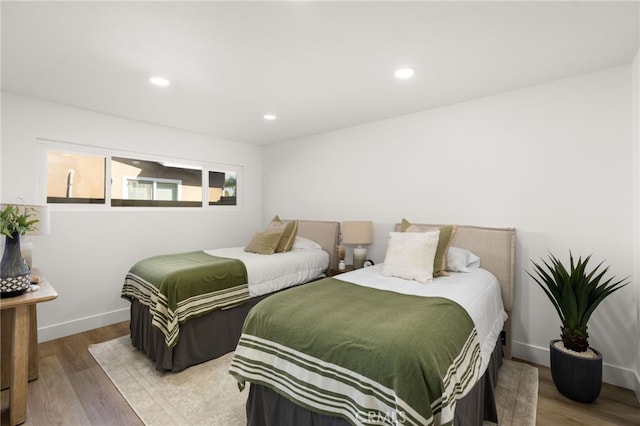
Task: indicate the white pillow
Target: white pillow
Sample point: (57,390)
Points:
(460,260)
(302,243)
(410,255)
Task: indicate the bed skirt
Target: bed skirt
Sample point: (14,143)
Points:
(201,339)
(266,407)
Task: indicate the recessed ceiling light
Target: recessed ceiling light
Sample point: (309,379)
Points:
(270,117)
(159,81)
(404,73)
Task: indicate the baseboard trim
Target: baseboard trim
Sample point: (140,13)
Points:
(637,386)
(79,325)
(611,374)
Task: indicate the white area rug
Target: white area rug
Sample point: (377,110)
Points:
(207,394)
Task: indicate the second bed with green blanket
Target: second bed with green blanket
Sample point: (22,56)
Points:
(362,354)
(368,349)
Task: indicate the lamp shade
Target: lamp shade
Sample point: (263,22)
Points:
(357,232)
(39,213)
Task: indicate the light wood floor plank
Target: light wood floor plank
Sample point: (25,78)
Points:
(102,402)
(52,399)
(615,405)
(73,390)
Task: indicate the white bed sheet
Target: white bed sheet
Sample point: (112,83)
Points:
(478,292)
(269,273)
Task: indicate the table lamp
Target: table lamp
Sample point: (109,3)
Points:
(360,233)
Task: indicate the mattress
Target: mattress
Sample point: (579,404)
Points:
(477,291)
(270,273)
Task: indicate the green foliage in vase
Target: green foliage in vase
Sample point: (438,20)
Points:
(575,293)
(17,219)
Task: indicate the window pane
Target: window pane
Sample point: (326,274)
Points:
(166,191)
(139,190)
(150,183)
(75,178)
(222,188)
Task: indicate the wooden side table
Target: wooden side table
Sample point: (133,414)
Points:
(19,345)
(335,271)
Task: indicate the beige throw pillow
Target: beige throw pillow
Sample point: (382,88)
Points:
(405,224)
(289,231)
(446,235)
(444,242)
(410,255)
(264,242)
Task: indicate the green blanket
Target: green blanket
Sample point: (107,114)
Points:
(177,287)
(367,355)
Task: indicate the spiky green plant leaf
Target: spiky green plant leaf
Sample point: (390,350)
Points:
(575,294)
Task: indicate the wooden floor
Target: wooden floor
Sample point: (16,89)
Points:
(73,390)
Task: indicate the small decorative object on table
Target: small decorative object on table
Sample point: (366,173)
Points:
(15,220)
(340,252)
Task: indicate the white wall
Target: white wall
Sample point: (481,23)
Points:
(89,251)
(554,161)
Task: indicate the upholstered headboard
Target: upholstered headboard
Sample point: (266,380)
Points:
(325,233)
(496,248)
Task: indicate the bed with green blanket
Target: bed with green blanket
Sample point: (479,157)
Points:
(177,287)
(188,308)
(361,348)
(345,359)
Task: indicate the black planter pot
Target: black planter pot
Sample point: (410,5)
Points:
(576,377)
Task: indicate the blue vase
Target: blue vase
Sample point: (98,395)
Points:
(14,273)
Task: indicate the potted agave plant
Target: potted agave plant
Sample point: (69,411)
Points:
(576,368)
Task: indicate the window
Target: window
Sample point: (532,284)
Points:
(136,182)
(80,174)
(222,188)
(75,178)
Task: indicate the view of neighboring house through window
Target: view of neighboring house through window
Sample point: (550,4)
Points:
(82,177)
(75,178)
(137,182)
(222,188)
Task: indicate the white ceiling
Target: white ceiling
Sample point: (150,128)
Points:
(318,66)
